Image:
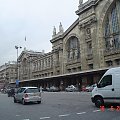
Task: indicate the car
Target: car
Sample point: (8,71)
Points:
(90,88)
(83,88)
(54,89)
(28,94)
(45,89)
(71,88)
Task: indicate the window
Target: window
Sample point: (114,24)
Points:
(89,47)
(114,20)
(51,73)
(90,66)
(73,48)
(69,70)
(58,72)
(79,68)
(20,90)
(106,80)
(112,28)
(109,63)
(74,69)
(32,90)
(117,61)
(45,74)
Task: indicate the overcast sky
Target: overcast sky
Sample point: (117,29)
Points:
(35,20)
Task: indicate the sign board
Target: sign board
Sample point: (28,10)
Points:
(17,82)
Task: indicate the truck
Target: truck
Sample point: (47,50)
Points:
(108,88)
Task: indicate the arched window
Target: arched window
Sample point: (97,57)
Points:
(73,48)
(112,28)
(24,66)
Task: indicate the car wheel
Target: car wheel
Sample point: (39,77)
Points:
(23,102)
(99,102)
(38,102)
(15,101)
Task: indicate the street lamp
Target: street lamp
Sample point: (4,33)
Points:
(17,48)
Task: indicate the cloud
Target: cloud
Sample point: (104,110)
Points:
(35,20)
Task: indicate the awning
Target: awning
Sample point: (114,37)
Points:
(80,73)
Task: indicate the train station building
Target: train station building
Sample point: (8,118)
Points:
(81,54)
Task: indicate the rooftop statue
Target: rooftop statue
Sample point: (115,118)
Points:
(60,28)
(80,2)
(54,31)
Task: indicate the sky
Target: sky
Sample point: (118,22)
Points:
(33,19)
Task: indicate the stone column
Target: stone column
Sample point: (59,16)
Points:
(83,49)
(95,46)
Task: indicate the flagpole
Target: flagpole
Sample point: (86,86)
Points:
(25,43)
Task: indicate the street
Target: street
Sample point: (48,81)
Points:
(56,106)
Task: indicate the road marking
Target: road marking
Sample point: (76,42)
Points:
(96,110)
(81,113)
(44,118)
(17,115)
(26,119)
(65,115)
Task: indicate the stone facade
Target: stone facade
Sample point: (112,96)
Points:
(8,73)
(91,43)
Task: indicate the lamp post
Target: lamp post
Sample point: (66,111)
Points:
(17,48)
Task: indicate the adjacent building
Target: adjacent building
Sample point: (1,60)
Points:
(8,73)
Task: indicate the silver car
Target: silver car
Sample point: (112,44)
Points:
(90,88)
(71,88)
(28,94)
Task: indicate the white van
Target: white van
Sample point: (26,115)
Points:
(108,88)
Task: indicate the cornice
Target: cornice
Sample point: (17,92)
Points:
(87,5)
(90,21)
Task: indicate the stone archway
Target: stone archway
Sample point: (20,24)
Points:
(100,34)
(73,51)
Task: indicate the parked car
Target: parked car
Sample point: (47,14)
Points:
(83,88)
(46,89)
(71,88)
(53,89)
(90,88)
(28,94)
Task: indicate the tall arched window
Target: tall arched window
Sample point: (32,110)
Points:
(73,48)
(24,66)
(112,28)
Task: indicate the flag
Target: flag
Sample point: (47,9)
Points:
(25,38)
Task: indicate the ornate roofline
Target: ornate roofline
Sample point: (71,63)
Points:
(66,32)
(30,53)
(86,5)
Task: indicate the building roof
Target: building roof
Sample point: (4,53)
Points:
(30,53)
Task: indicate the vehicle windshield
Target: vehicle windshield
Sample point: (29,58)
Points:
(32,90)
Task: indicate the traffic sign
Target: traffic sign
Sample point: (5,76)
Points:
(17,82)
